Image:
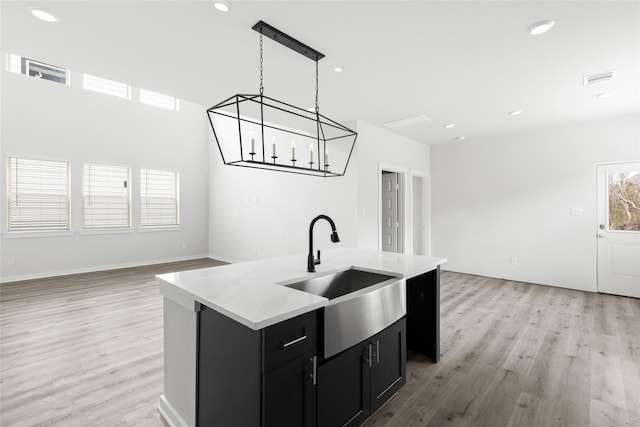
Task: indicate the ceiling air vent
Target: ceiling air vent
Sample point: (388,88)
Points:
(408,121)
(599,77)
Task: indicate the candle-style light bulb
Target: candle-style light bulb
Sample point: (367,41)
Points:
(293,149)
(273,143)
(311,153)
(253,141)
(326,156)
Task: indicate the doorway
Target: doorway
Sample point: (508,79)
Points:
(391,211)
(618,229)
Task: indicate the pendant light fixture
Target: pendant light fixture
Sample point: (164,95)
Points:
(260,132)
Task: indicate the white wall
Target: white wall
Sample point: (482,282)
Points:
(377,145)
(46,119)
(511,196)
(260,214)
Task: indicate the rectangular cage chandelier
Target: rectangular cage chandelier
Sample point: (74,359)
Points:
(256,131)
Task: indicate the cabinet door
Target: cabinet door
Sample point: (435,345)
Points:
(388,369)
(343,388)
(289,394)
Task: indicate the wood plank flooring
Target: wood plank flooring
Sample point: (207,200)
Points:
(517,354)
(87,350)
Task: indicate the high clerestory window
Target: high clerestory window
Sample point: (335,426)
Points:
(37,69)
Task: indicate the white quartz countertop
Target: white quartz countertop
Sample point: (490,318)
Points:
(252,294)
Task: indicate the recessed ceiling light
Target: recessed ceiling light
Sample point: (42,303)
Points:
(338,69)
(450,125)
(44,15)
(541,27)
(222,6)
(604,95)
(515,112)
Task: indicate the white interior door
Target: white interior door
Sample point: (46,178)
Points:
(389,212)
(618,193)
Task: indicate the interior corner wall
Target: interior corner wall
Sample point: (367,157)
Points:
(511,196)
(377,145)
(42,119)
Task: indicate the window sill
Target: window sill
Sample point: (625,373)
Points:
(32,234)
(151,229)
(90,231)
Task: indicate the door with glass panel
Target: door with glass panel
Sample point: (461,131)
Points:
(618,229)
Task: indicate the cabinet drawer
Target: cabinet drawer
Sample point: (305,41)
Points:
(289,339)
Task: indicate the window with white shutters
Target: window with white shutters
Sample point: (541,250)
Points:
(106,196)
(159,198)
(37,195)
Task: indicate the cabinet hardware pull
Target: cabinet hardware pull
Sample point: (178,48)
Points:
(297,340)
(313,375)
(377,351)
(370,360)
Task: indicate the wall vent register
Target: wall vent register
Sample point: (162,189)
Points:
(599,77)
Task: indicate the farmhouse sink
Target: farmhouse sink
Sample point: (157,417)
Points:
(362,303)
(340,283)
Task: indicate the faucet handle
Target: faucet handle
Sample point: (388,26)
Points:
(317,260)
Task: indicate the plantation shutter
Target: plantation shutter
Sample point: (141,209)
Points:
(38,195)
(159,197)
(106,196)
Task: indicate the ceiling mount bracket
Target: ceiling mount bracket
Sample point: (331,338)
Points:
(288,41)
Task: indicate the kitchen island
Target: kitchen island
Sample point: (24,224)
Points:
(217,318)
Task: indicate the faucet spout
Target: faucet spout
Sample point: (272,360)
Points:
(311,260)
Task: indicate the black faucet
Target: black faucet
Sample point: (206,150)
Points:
(311,261)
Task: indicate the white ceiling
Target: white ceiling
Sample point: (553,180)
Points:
(462,62)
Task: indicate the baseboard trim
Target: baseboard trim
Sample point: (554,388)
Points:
(522,280)
(19,278)
(224,259)
(169,414)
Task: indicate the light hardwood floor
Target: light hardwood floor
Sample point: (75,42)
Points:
(86,350)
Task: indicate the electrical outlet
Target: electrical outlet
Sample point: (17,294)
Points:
(514,260)
(11,261)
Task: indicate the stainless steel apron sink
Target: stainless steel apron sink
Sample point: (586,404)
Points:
(361,304)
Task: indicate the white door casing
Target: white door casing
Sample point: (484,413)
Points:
(618,229)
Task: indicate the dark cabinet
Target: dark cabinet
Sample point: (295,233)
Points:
(357,382)
(256,378)
(388,363)
(423,314)
(289,393)
(273,377)
(343,388)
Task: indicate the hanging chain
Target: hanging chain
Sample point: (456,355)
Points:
(317,88)
(261,85)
